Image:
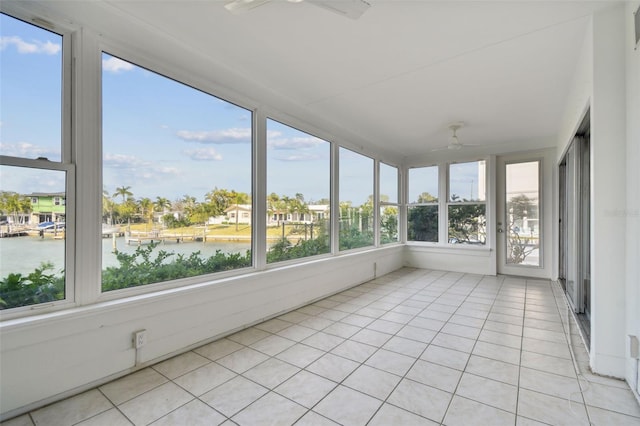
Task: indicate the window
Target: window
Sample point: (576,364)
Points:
(298,188)
(523,208)
(356,200)
(466,203)
(176,165)
(32,162)
(388,204)
(422,215)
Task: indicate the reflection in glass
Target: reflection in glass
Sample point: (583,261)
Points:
(33,230)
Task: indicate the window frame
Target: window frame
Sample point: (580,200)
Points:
(437,203)
(176,74)
(66,164)
(374,193)
(448,203)
(279,216)
(381,204)
(81,121)
(541,222)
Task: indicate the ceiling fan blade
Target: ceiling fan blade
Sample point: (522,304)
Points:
(349,8)
(241,6)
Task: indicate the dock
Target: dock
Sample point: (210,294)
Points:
(13,231)
(140,237)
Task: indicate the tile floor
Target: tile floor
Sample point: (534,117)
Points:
(415,347)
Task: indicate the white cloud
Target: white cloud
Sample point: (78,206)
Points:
(121,161)
(226,136)
(36,46)
(116,65)
(28,150)
(292,143)
(203,154)
(300,157)
(134,167)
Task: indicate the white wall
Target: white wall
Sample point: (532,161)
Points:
(633,189)
(606,79)
(468,260)
(47,357)
(608,193)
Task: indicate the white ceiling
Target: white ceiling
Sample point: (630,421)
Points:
(389,82)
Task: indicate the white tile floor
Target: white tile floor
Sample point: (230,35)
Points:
(414,347)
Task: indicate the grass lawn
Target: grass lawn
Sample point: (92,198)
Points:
(244,230)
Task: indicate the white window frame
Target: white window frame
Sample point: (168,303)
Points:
(447,202)
(374,189)
(380,204)
(438,204)
(66,165)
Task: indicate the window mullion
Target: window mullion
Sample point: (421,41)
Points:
(443,203)
(260,191)
(86,144)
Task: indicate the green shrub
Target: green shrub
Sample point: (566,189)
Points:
(38,287)
(139,268)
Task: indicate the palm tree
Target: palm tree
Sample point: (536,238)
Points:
(189,204)
(15,205)
(146,209)
(162,204)
(124,192)
(107,206)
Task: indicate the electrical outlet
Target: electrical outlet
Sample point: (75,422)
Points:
(139,339)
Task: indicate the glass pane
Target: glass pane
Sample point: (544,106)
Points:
(32,247)
(523,198)
(388,224)
(423,223)
(176,173)
(467,181)
(388,183)
(423,185)
(356,200)
(299,185)
(467,224)
(30,90)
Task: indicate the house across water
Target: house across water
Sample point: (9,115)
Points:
(47,207)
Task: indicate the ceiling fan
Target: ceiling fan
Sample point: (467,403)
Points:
(349,8)
(454,142)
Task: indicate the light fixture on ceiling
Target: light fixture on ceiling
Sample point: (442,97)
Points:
(454,143)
